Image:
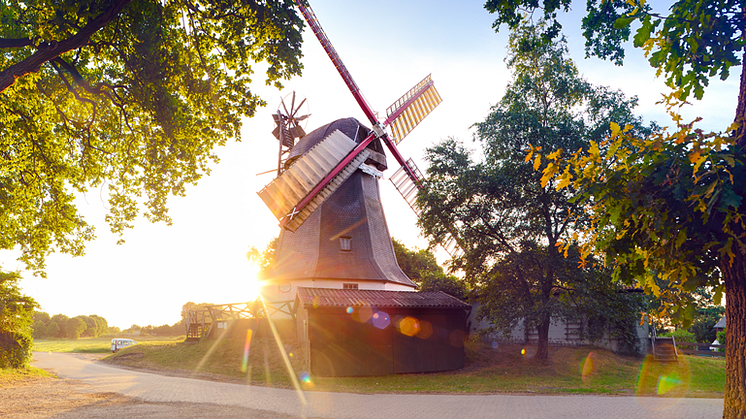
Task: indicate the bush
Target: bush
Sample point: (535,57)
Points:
(16,318)
(681,335)
(15,349)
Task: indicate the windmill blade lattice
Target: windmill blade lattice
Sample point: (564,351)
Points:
(408,190)
(285,192)
(407,112)
(306,183)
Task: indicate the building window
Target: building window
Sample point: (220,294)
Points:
(349,286)
(344,244)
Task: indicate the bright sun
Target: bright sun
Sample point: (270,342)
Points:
(252,283)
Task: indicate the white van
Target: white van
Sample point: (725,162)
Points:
(117,344)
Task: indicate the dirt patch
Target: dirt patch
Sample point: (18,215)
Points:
(48,397)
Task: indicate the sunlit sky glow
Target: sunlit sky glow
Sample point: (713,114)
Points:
(388,46)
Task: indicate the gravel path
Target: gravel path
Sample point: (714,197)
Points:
(199,398)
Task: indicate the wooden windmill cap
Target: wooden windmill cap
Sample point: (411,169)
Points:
(376,158)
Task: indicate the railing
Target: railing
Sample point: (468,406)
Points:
(207,316)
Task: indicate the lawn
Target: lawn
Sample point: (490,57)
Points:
(91,345)
(502,369)
(20,375)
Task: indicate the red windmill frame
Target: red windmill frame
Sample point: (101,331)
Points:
(378,127)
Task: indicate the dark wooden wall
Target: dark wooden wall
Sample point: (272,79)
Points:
(342,345)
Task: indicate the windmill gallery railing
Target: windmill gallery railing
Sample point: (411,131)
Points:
(200,322)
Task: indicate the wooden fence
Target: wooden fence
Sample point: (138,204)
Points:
(696,348)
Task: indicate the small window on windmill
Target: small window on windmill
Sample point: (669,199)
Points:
(349,286)
(344,244)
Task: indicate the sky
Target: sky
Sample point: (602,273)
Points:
(388,46)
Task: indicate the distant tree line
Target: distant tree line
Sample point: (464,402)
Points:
(175,329)
(62,326)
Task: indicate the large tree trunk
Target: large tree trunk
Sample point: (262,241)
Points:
(741,110)
(735,340)
(542,348)
(735,296)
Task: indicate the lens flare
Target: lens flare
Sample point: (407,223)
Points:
(350,310)
(657,378)
(285,358)
(246,347)
(381,320)
(305,379)
(494,344)
(364,314)
(668,383)
(586,368)
(426,330)
(408,326)
(523,351)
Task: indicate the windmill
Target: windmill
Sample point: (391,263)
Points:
(293,198)
(320,184)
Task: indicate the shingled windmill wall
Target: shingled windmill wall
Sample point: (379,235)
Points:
(346,242)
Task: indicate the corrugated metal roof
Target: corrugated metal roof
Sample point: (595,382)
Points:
(326,297)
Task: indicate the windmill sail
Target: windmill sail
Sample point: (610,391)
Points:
(283,194)
(408,190)
(409,110)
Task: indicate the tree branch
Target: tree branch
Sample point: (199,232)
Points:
(15,42)
(52,50)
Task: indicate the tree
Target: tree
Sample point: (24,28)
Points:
(507,221)
(264,259)
(129,94)
(705,321)
(101,325)
(40,326)
(16,317)
(90,326)
(61,321)
(53,329)
(422,268)
(668,214)
(74,327)
(691,214)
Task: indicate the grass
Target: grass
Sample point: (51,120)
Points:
(504,369)
(213,359)
(12,376)
(90,345)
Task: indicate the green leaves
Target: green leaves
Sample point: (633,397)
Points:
(16,316)
(664,209)
(688,42)
(509,219)
(139,106)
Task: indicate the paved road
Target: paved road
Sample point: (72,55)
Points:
(163,389)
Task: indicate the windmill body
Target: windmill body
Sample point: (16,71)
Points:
(345,242)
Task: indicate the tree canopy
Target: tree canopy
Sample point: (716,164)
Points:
(667,209)
(689,42)
(422,268)
(507,221)
(127,96)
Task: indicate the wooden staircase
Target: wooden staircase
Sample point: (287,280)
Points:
(194,333)
(664,349)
